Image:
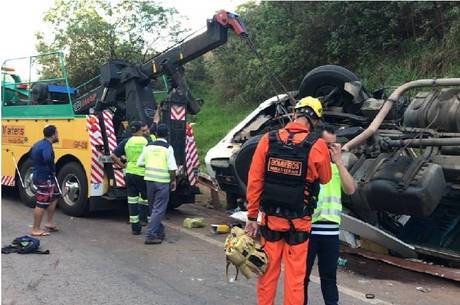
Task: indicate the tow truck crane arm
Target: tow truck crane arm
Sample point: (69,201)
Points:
(127,90)
(116,75)
(214,37)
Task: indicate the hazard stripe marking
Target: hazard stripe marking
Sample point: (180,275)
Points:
(8,181)
(192,163)
(178,113)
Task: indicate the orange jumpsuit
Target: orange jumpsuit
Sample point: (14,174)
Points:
(294,257)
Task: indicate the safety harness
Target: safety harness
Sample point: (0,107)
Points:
(245,254)
(286,193)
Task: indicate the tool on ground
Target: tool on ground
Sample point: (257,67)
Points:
(245,254)
(220,229)
(191,223)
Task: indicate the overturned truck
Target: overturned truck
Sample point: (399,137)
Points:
(403,151)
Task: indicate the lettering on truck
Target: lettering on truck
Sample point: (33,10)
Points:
(13,134)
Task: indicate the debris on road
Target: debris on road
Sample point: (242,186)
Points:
(191,223)
(342,262)
(220,229)
(423,289)
(436,270)
(370,296)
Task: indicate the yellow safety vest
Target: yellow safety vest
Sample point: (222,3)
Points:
(329,206)
(156,164)
(133,149)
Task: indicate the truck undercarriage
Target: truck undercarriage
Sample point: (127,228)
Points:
(407,166)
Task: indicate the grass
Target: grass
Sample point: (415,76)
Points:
(214,121)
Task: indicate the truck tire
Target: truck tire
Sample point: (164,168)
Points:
(323,79)
(74,185)
(27,193)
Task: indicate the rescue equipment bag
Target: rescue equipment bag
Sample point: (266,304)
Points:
(24,245)
(286,193)
(245,254)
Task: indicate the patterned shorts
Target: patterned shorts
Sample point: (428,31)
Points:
(47,192)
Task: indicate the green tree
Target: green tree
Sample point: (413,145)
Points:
(383,42)
(92,31)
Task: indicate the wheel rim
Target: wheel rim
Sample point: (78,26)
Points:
(29,186)
(71,189)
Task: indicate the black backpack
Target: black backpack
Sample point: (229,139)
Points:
(24,245)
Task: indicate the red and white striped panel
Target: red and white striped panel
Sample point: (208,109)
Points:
(8,180)
(112,140)
(178,113)
(95,138)
(191,155)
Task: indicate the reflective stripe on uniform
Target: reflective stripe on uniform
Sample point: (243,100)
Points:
(143,201)
(160,170)
(133,200)
(314,232)
(324,226)
(324,212)
(134,219)
(328,199)
(153,177)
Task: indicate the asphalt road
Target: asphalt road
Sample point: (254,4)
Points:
(96,260)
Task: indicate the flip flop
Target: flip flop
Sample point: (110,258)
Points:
(52,229)
(41,234)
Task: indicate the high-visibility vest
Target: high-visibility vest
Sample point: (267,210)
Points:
(156,162)
(153,137)
(133,149)
(329,207)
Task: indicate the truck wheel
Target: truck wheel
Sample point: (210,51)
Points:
(26,193)
(323,79)
(74,185)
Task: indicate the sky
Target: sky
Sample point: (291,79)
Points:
(20,19)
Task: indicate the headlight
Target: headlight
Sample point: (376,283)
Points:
(219,163)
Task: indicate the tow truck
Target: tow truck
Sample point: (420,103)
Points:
(91,121)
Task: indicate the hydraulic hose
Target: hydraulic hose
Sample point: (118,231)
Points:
(424,142)
(394,97)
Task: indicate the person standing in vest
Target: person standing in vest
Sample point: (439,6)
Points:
(131,148)
(324,239)
(160,175)
(287,167)
(44,179)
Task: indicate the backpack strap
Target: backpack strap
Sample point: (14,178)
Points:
(9,249)
(226,270)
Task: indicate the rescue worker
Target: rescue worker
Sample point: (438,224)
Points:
(324,239)
(44,179)
(283,181)
(160,175)
(131,148)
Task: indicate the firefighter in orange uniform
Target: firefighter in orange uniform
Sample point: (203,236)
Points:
(287,167)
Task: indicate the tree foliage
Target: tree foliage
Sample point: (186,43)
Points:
(92,31)
(372,38)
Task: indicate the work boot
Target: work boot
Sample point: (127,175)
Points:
(136,228)
(152,241)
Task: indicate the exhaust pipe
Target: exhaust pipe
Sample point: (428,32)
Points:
(394,97)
